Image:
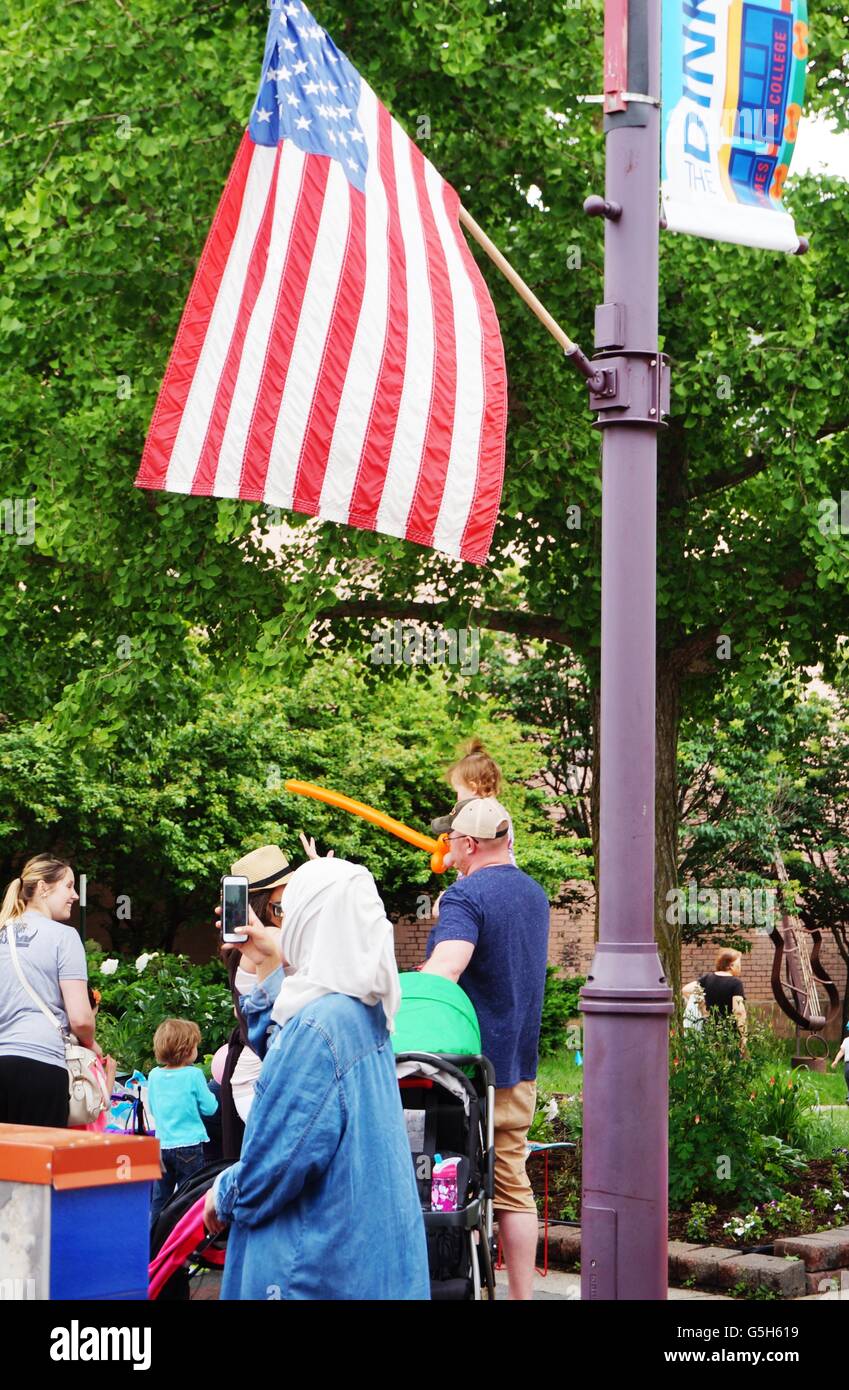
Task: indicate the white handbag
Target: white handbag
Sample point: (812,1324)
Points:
(87,1089)
(695,1012)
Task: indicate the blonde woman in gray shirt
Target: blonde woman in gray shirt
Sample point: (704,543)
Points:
(33,1076)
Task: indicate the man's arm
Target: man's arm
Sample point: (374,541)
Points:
(449,958)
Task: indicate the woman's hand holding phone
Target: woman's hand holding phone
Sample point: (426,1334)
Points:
(263,946)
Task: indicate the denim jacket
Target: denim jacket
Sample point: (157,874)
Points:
(323,1201)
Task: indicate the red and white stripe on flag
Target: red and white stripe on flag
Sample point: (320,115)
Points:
(339,354)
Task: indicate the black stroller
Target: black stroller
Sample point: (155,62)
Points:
(448,1109)
(202,1253)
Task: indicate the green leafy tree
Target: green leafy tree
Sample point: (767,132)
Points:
(159,815)
(769,769)
(120,125)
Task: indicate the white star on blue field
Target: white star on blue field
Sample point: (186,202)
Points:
(309,92)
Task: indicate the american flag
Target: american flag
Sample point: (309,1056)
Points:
(339,354)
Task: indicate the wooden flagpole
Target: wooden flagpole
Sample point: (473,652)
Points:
(524,291)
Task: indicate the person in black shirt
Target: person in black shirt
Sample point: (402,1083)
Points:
(723,988)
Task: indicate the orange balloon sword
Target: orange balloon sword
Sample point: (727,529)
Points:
(437,849)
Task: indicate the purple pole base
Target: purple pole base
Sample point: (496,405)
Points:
(626,1005)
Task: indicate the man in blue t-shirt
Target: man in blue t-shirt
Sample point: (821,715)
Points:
(492,939)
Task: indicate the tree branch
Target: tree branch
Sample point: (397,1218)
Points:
(83,120)
(718,480)
(521,624)
(833,427)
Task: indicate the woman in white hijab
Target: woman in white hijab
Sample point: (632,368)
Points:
(323,1201)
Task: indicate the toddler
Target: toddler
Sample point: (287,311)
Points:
(178,1096)
(477,774)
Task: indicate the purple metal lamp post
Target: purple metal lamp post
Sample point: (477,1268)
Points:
(626,1001)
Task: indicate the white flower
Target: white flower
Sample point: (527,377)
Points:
(109,967)
(144,958)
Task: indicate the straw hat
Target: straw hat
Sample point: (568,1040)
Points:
(264,868)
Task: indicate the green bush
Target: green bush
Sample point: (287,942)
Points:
(572,1114)
(700,1215)
(820,1209)
(784,1212)
(559,1005)
(748,1229)
(766,1048)
(541,1129)
(565,1172)
(782,1106)
(734,1129)
(780,1163)
(134,1001)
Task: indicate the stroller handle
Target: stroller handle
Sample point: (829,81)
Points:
(453,1062)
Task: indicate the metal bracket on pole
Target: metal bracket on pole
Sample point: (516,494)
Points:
(625,98)
(635,390)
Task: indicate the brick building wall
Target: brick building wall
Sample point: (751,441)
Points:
(571,945)
(410,941)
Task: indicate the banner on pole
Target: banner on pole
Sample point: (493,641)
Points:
(733,87)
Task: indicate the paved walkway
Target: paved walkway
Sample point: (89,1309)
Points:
(556,1286)
(560,1285)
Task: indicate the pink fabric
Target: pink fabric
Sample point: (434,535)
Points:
(219,1062)
(98,1126)
(185,1237)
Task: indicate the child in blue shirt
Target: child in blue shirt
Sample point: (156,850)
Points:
(178,1096)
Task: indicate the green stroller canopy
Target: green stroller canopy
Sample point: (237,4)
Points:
(435,1016)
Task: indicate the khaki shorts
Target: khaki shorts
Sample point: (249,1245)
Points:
(514,1111)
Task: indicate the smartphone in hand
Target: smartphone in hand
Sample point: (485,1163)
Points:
(234,908)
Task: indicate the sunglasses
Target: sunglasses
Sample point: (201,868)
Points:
(276,909)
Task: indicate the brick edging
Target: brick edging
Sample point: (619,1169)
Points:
(800,1265)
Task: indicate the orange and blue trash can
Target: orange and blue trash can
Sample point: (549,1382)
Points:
(74,1213)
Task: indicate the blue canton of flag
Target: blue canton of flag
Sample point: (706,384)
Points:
(309,93)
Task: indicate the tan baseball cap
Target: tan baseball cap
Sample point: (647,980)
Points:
(264,868)
(482,818)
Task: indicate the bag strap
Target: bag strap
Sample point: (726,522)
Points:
(13,947)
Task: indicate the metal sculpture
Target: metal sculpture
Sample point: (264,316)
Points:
(806,980)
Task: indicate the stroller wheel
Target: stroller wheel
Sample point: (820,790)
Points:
(487,1273)
(475,1266)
